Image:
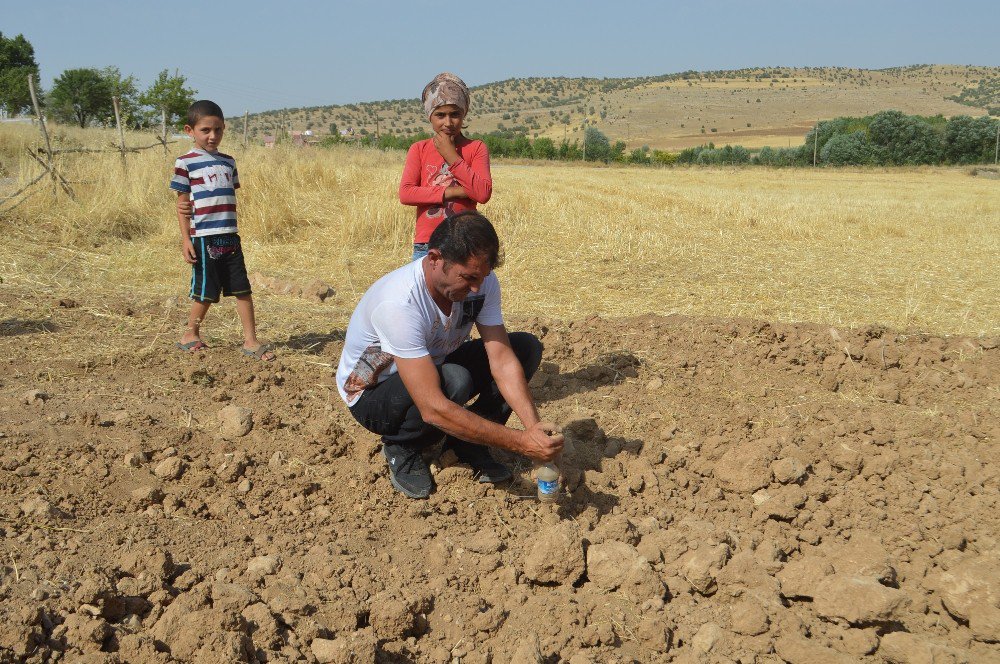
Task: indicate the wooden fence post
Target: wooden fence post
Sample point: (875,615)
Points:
(121,132)
(245,116)
(45,133)
(163,124)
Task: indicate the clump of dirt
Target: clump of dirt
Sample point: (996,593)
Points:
(315,290)
(735,491)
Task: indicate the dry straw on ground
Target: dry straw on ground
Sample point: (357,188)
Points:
(909,249)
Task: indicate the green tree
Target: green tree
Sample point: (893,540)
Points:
(17,63)
(639,155)
(543,148)
(970,140)
(906,139)
(596,145)
(81,96)
(497,145)
(168,94)
(617,151)
(125,88)
(569,151)
(521,147)
(849,149)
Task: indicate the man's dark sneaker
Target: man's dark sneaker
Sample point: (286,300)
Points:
(487,468)
(407,470)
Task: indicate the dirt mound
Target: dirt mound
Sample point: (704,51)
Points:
(736,491)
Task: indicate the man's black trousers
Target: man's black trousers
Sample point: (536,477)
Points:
(388,409)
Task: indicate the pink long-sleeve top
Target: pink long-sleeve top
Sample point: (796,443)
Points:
(426,175)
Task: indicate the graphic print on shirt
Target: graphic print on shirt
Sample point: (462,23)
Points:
(366,372)
(217,177)
(471,308)
(440,178)
(211,180)
(441,343)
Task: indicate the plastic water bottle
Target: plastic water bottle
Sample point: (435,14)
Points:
(547,478)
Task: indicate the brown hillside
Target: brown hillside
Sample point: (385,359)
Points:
(751,107)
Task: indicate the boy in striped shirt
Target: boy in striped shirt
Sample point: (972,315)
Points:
(206,182)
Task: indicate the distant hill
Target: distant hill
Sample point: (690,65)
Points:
(751,107)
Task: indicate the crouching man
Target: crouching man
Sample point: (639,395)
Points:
(408,369)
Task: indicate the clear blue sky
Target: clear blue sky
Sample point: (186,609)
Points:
(262,55)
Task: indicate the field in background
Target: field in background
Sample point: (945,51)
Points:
(750,107)
(909,249)
(225,510)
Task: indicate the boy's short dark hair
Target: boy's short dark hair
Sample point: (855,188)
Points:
(203,108)
(465,235)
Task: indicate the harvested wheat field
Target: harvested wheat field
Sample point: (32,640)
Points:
(779,391)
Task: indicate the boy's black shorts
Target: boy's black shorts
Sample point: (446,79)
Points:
(220,268)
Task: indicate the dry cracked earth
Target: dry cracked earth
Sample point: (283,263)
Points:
(735,491)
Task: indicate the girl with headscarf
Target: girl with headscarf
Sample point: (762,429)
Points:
(447,173)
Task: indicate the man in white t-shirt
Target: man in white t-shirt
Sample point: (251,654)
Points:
(408,368)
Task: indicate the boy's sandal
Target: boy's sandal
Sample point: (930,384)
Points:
(191,346)
(260,352)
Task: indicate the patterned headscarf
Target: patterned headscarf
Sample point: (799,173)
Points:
(445,89)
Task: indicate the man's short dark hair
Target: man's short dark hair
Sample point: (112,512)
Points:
(203,108)
(465,235)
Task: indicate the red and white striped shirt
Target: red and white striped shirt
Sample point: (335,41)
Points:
(212,181)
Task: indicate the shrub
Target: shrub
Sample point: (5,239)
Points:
(970,140)
(849,149)
(596,145)
(905,139)
(543,148)
(664,158)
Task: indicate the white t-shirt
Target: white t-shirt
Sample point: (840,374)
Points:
(397,317)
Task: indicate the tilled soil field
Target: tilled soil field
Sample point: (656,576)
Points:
(736,491)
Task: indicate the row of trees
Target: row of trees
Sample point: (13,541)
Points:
(84,96)
(888,138)
(892,138)
(595,146)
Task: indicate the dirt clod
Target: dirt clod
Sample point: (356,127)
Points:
(235,421)
(857,600)
(170,469)
(556,556)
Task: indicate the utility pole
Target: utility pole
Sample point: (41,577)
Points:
(996,150)
(815,141)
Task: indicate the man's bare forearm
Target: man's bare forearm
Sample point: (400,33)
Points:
(465,425)
(513,386)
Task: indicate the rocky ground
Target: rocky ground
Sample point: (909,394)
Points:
(736,491)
